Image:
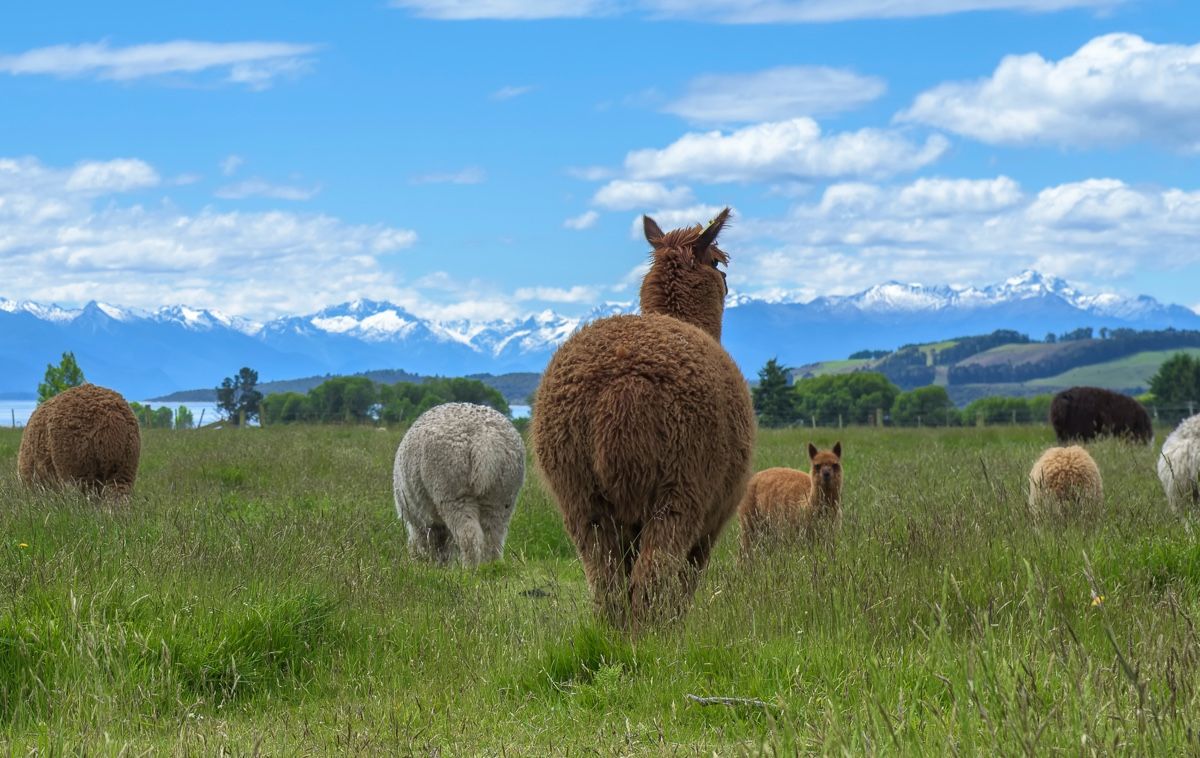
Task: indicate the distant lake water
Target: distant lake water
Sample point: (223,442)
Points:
(17,412)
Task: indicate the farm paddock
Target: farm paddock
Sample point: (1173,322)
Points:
(256,592)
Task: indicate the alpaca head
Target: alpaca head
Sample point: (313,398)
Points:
(827,472)
(685,280)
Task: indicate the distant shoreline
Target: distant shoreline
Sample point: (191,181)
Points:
(516,387)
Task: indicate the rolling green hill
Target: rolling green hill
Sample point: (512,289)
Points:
(1131,372)
(831,367)
(1007,363)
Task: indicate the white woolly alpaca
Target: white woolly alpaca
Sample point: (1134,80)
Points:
(457,474)
(1064,476)
(1179,464)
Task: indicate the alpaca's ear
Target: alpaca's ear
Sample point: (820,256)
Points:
(812,451)
(654,235)
(708,237)
(837,448)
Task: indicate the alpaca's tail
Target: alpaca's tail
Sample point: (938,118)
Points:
(627,433)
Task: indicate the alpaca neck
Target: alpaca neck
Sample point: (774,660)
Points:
(668,293)
(826,497)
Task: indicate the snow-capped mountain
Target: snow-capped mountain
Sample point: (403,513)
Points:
(896,297)
(146,353)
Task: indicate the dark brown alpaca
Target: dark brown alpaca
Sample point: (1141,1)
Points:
(85,436)
(781,503)
(643,429)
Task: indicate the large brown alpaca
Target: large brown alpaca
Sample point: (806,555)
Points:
(781,503)
(643,429)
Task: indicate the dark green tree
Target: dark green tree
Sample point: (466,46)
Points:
(64,376)
(774,401)
(184,418)
(927,406)
(1177,380)
(237,396)
(853,397)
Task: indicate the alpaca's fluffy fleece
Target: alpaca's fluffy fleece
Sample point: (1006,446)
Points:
(781,503)
(458,471)
(1064,476)
(87,437)
(643,427)
(1179,464)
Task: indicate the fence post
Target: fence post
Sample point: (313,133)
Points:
(839,421)
(14,416)
(918,421)
(814,422)
(878,417)
(241,419)
(1014,418)
(1191,408)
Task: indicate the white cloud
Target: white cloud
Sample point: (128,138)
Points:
(230,164)
(775,94)
(1117,88)
(732,11)
(624,195)
(674,218)
(936,196)
(68,245)
(792,149)
(118,175)
(469,175)
(510,91)
(256,187)
(254,64)
(585,220)
(1093,203)
(957,230)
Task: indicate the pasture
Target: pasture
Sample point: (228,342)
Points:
(256,595)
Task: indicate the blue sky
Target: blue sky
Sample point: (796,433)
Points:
(487,158)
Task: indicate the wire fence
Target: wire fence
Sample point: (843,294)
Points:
(1164,415)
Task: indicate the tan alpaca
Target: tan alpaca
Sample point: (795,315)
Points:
(785,502)
(1064,480)
(643,429)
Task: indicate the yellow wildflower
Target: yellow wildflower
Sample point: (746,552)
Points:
(23,545)
(1097,600)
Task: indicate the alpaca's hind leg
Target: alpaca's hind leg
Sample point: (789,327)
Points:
(428,543)
(697,561)
(606,558)
(658,589)
(494,518)
(462,518)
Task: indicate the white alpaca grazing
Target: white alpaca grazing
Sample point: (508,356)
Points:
(1179,464)
(457,474)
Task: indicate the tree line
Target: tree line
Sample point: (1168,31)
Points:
(358,400)
(869,397)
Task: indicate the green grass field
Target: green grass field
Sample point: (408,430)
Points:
(837,367)
(1124,373)
(255,595)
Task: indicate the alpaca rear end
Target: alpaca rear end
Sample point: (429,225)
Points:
(643,429)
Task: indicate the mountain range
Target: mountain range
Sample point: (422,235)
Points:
(149,353)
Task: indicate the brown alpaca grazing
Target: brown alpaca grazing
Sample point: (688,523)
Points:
(785,502)
(86,437)
(643,428)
